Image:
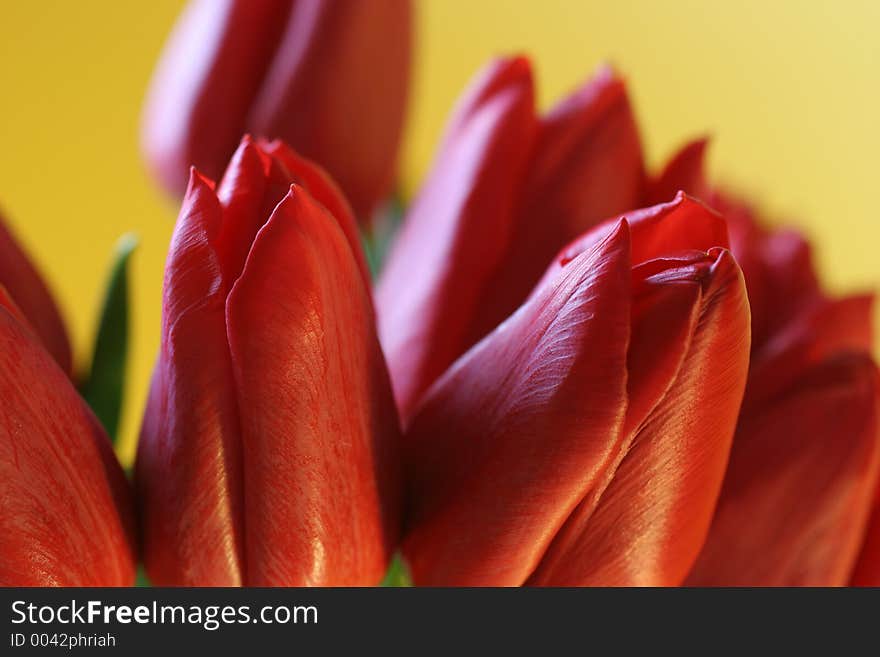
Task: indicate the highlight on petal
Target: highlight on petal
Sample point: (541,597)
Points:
(65,509)
(319,427)
(436,279)
(24,284)
(508,440)
(189,456)
(800,484)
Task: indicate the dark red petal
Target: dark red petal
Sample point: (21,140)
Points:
(830,327)
(437,277)
(586,166)
(588,162)
(319,427)
(9,305)
(521,428)
(684,172)
(791,280)
(867,570)
(65,511)
(203,88)
(23,282)
(800,484)
(337,89)
(687,362)
(189,460)
(496,78)
(777,265)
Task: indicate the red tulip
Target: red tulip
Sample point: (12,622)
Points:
(65,507)
(508,189)
(584,440)
(24,284)
(804,463)
(269,445)
(329,77)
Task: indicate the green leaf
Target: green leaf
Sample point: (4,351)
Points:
(103,387)
(398,573)
(142,579)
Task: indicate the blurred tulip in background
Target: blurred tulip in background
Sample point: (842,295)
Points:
(585,439)
(330,77)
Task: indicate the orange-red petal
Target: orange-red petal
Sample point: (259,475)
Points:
(319,427)
(189,456)
(65,508)
(687,364)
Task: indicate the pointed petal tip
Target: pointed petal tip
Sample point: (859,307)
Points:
(512,69)
(198,181)
(497,77)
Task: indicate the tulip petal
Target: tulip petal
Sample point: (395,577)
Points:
(324,190)
(800,483)
(648,526)
(201,94)
(777,266)
(828,328)
(189,455)
(360,50)
(588,162)
(867,570)
(586,166)
(247,197)
(319,427)
(513,436)
(65,510)
(257,179)
(684,172)
(680,226)
(437,277)
(22,281)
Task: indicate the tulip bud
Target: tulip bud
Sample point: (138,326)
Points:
(584,440)
(507,190)
(65,508)
(268,453)
(24,284)
(329,77)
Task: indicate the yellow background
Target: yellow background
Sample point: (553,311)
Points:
(789,90)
